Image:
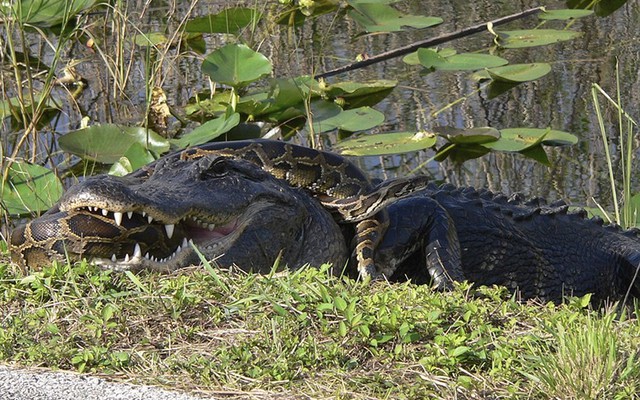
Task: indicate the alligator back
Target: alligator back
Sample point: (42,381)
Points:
(541,249)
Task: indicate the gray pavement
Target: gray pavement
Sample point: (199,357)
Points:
(34,384)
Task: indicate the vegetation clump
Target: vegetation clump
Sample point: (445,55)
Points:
(306,332)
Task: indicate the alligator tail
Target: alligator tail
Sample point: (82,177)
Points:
(631,275)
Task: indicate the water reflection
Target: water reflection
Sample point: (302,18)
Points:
(561,100)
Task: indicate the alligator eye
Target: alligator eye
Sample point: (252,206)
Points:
(217,168)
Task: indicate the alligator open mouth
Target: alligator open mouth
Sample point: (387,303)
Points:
(152,243)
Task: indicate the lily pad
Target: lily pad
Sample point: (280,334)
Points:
(537,153)
(358,94)
(533,37)
(229,20)
(564,14)
(459,153)
(150,39)
(45,13)
(471,136)
(236,65)
(602,8)
(107,143)
(520,139)
(518,73)
(30,188)
(355,119)
(376,17)
(208,131)
(412,58)
(135,157)
(386,143)
(458,62)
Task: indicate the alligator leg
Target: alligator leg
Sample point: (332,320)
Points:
(420,227)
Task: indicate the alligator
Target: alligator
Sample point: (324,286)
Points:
(254,204)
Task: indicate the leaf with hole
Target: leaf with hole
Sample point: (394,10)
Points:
(229,20)
(376,17)
(533,37)
(386,143)
(236,65)
(107,143)
(30,188)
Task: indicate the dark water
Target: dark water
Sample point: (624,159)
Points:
(561,100)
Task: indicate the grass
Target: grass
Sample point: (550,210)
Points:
(308,333)
(207,331)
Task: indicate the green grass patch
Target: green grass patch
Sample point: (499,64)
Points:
(307,332)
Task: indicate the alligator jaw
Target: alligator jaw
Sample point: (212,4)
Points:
(179,239)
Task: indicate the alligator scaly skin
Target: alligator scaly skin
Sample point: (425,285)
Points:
(238,214)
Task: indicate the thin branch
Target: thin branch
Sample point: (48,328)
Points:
(428,43)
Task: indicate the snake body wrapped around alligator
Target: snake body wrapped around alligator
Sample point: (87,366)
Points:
(252,203)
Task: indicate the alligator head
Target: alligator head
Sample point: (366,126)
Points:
(230,210)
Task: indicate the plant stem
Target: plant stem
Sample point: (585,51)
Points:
(427,43)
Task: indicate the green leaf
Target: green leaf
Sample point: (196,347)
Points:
(150,39)
(359,94)
(518,73)
(356,119)
(564,14)
(13,103)
(30,188)
(229,20)
(340,303)
(533,37)
(107,143)
(458,62)
(383,18)
(45,13)
(471,136)
(386,143)
(519,139)
(459,351)
(602,8)
(208,131)
(459,153)
(537,153)
(412,58)
(634,205)
(236,65)
(135,157)
(342,329)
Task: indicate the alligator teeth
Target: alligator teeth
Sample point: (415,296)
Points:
(126,258)
(144,214)
(211,227)
(104,212)
(147,255)
(113,257)
(129,214)
(137,252)
(169,229)
(185,243)
(118,217)
(149,218)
